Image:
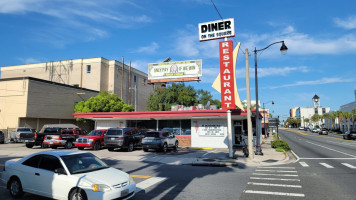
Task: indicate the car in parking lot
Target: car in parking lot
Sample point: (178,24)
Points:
(323,131)
(66,175)
(159,140)
(315,130)
(95,140)
(65,138)
(2,137)
(122,138)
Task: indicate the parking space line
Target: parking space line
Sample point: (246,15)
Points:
(148,183)
(275,193)
(275,185)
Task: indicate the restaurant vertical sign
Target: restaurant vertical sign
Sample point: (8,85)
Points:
(227,75)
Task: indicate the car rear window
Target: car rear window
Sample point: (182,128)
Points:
(152,134)
(50,130)
(114,132)
(24,129)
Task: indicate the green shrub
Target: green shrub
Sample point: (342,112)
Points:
(274,135)
(280,144)
(279,149)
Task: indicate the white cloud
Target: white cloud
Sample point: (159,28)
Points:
(30,60)
(271,71)
(152,48)
(316,82)
(349,23)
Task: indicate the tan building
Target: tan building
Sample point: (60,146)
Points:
(94,73)
(293,112)
(33,102)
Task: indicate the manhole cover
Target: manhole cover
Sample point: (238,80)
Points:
(208,159)
(270,160)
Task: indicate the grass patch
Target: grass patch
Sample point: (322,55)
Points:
(279,149)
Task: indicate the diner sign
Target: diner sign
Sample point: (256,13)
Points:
(227,75)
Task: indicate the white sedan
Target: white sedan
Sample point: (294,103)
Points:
(66,175)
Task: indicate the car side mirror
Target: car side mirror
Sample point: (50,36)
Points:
(60,171)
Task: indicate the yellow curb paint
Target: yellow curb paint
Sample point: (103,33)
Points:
(139,176)
(203,148)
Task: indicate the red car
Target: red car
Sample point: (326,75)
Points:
(64,139)
(95,140)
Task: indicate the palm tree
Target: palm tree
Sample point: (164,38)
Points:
(353,117)
(315,118)
(327,117)
(340,118)
(306,120)
(348,116)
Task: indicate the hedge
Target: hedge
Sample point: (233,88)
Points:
(280,144)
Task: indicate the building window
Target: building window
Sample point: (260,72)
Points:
(88,69)
(324,110)
(135,79)
(316,111)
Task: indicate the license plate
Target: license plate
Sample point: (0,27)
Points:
(124,192)
(26,140)
(112,138)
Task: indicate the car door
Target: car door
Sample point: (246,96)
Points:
(27,173)
(53,185)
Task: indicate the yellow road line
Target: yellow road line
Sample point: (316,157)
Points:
(139,176)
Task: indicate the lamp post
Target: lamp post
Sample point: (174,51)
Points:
(264,116)
(258,128)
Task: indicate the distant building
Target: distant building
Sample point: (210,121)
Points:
(350,106)
(293,112)
(307,112)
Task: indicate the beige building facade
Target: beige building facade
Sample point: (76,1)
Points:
(32,102)
(97,74)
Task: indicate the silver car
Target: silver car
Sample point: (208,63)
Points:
(159,140)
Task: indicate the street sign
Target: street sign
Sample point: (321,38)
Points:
(217,29)
(273,122)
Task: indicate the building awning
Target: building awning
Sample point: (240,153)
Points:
(164,115)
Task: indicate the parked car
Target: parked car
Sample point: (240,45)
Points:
(2,137)
(122,138)
(66,175)
(35,139)
(323,131)
(306,128)
(301,128)
(159,140)
(95,140)
(15,136)
(65,138)
(349,135)
(315,130)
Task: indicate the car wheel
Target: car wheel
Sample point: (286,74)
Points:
(164,148)
(145,150)
(176,146)
(96,146)
(29,145)
(69,145)
(15,188)
(81,148)
(54,147)
(110,149)
(78,194)
(43,146)
(130,147)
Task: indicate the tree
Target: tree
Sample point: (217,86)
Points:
(306,120)
(353,117)
(315,118)
(327,117)
(339,115)
(103,102)
(165,98)
(348,116)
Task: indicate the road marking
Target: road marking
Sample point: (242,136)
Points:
(343,143)
(348,165)
(275,179)
(275,193)
(303,164)
(276,167)
(260,174)
(331,149)
(326,165)
(266,170)
(275,185)
(148,183)
(139,176)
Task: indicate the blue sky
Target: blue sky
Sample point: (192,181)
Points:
(320,35)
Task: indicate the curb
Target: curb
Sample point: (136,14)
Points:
(214,164)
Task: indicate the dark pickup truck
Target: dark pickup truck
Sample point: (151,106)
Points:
(36,139)
(65,139)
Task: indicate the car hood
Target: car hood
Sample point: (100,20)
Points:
(109,176)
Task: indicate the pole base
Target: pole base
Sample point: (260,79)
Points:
(258,151)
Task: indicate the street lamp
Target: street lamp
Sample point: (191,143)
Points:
(264,116)
(258,128)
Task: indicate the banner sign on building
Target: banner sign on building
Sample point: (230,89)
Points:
(209,128)
(227,75)
(179,69)
(217,29)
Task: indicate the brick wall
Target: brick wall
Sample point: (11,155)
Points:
(184,140)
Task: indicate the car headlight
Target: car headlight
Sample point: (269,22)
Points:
(91,140)
(131,180)
(100,187)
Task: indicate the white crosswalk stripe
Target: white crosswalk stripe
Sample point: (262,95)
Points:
(148,183)
(266,170)
(260,174)
(303,164)
(275,185)
(326,165)
(275,193)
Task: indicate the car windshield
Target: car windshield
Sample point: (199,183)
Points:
(83,163)
(50,130)
(114,132)
(95,133)
(24,129)
(152,134)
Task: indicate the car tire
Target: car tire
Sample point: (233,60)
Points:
(69,145)
(54,147)
(78,194)
(96,146)
(164,148)
(29,145)
(43,146)
(145,150)
(130,147)
(110,149)
(176,147)
(81,148)
(15,188)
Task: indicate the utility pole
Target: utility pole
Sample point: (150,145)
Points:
(248,96)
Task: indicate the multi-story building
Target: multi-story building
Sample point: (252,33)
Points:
(293,112)
(307,112)
(97,74)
